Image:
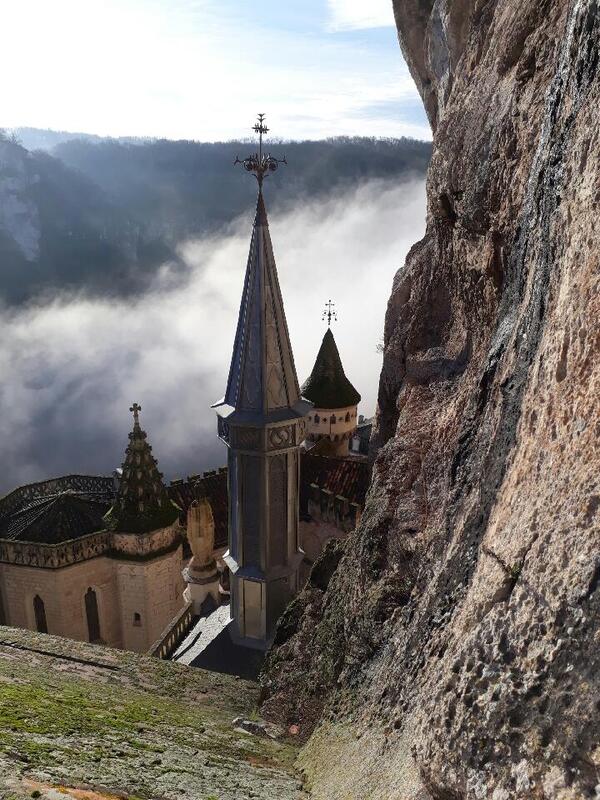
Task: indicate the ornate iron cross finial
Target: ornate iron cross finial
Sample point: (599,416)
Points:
(260,164)
(329,314)
(136,413)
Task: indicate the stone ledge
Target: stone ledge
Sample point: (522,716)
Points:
(79,715)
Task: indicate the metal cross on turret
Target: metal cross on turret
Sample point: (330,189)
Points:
(135,409)
(329,314)
(260,164)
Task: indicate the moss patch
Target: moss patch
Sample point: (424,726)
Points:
(76,715)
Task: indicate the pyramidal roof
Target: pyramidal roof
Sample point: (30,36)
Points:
(262,377)
(55,518)
(327,385)
(142,504)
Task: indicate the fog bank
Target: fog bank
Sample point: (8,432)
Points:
(71,368)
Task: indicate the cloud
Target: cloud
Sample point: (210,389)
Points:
(72,367)
(358,15)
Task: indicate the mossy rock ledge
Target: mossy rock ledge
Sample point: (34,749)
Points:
(91,723)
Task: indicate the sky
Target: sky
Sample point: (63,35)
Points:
(202,69)
(77,363)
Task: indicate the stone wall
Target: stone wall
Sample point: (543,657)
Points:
(337,425)
(152,588)
(63,594)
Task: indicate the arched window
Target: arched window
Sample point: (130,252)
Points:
(137,619)
(91,612)
(348,416)
(39,611)
(332,418)
(317,418)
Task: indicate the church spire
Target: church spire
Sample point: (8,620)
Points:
(142,503)
(262,376)
(262,422)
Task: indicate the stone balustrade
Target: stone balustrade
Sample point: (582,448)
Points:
(174,633)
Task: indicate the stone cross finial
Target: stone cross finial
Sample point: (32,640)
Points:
(329,313)
(136,413)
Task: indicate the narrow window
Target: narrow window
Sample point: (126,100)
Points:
(40,614)
(348,417)
(137,620)
(317,418)
(91,612)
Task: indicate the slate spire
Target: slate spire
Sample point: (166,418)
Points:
(142,503)
(327,386)
(262,420)
(262,376)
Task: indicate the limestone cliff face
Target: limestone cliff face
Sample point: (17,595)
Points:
(19,217)
(459,635)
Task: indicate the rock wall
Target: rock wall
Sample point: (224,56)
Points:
(457,639)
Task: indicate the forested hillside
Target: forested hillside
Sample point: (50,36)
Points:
(103,214)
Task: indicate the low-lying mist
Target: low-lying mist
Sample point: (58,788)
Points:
(72,367)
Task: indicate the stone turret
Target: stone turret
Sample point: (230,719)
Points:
(262,422)
(142,503)
(146,543)
(334,417)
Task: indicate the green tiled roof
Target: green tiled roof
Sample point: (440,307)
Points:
(328,386)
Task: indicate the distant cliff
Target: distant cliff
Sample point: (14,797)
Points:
(453,652)
(59,231)
(103,215)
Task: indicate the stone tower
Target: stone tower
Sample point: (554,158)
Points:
(335,400)
(262,421)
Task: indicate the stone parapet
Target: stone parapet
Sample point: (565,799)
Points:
(144,545)
(324,506)
(54,556)
(114,545)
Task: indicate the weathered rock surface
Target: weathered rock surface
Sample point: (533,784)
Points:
(84,722)
(458,637)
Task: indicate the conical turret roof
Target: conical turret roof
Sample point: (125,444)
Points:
(327,385)
(262,377)
(142,503)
